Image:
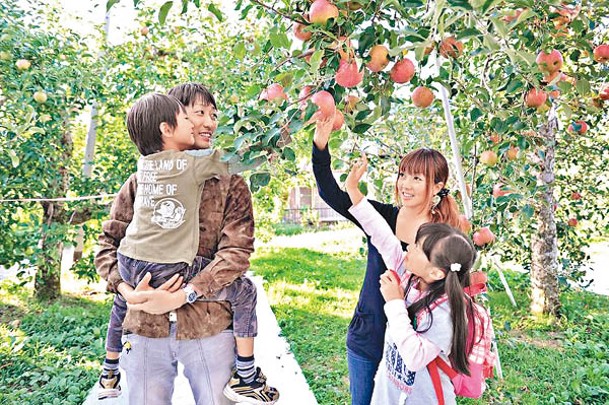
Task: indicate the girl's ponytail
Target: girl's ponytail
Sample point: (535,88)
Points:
(447,212)
(451,251)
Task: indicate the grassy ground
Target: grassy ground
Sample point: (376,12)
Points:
(51,353)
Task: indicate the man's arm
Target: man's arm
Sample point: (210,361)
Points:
(113,230)
(236,242)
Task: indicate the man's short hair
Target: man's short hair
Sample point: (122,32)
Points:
(190,93)
(145,117)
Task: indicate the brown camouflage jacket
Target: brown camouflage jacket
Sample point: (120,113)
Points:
(226,235)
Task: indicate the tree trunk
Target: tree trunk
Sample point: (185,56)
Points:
(544,260)
(47,285)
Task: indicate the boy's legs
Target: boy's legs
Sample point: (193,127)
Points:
(247,383)
(109,380)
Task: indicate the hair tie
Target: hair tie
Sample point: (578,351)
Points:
(443,193)
(455,267)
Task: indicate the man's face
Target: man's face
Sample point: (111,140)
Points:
(204,119)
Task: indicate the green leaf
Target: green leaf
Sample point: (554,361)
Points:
(469,32)
(361,128)
(528,211)
(110,3)
(163,11)
(215,11)
(316,60)
(582,86)
(14,158)
(279,39)
(239,50)
(288,154)
(258,180)
(513,85)
(475,114)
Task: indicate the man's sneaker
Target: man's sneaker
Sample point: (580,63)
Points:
(109,384)
(257,392)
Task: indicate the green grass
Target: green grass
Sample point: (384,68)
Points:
(53,355)
(544,361)
(49,353)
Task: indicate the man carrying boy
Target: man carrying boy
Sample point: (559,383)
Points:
(162,239)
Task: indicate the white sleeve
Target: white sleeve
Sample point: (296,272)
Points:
(417,349)
(381,236)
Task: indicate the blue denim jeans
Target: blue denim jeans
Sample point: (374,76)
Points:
(241,294)
(150,366)
(361,378)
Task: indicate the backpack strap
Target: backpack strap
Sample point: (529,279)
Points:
(432,367)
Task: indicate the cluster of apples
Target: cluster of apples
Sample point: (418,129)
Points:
(349,73)
(39,96)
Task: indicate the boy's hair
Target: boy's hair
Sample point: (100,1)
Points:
(145,117)
(190,93)
(434,167)
(444,245)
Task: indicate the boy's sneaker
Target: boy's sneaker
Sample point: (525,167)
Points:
(257,392)
(109,384)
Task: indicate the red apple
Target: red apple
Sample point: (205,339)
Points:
(402,71)
(601,53)
(325,102)
(339,120)
(300,34)
(483,236)
(576,196)
(321,11)
(512,153)
(23,64)
(144,31)
(274,93)
(489,158)
(572,222)
(379,58)
(535,98)
(549,62)
(348,74)
(422,97)
(579,126)
(451,48)
(604,93)
(494,138)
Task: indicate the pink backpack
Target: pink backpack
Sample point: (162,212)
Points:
(480,361)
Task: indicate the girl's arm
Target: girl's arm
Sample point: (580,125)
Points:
(416,349)
(381,236)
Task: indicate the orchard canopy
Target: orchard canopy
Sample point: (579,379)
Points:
(522,85)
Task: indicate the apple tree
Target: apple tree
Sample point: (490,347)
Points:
(47,79)
(525,83)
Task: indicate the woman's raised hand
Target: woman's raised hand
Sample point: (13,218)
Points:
(323,128)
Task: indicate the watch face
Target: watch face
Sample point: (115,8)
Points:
(191,297)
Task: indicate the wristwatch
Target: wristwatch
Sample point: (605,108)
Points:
(191,294)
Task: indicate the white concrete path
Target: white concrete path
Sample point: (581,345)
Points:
(272,353)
